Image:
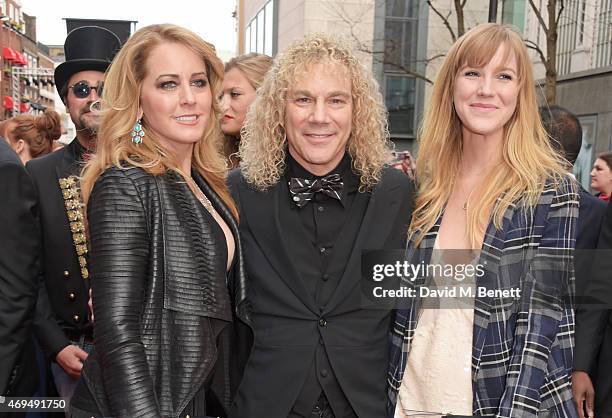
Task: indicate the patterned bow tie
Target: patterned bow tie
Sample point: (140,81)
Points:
(303,190)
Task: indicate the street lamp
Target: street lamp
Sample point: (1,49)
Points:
(492,11)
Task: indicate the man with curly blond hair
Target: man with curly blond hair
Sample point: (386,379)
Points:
(314,191)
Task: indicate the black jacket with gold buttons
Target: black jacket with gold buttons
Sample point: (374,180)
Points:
(62,301)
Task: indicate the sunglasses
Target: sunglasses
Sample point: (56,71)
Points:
(82,89)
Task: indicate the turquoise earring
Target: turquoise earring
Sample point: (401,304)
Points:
(137,132)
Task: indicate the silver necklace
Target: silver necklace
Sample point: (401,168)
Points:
(199,194)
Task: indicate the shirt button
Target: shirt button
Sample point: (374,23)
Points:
(325,277)
(71,296)
(322,250)
(324,373)
(76,318)
(320,208)
(66,274)
(322,322)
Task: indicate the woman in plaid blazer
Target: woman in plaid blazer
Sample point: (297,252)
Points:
(489,182)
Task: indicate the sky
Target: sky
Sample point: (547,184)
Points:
(211,19)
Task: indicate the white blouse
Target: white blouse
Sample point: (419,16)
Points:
(438,373)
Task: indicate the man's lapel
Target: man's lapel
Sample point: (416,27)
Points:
(383,204)
(262,210)
(68,166)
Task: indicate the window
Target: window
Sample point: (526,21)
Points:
(567,36)
(400,59)
(584,162)
(259,33)
(400,101)
(604,35)
(247,39)
(513,13)
(253,36)
(261,22)
(269,25)
(581,19)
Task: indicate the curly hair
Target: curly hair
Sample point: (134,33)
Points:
(121,102)
(263,144)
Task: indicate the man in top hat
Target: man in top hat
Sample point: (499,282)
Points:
(61,324)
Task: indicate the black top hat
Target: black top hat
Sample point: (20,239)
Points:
(86,48)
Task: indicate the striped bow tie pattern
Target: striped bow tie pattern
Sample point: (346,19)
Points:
(303,190)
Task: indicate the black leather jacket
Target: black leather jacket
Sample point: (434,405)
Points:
(154,295)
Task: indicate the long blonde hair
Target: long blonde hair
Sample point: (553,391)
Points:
(121,103)
(528,160)
(263,141)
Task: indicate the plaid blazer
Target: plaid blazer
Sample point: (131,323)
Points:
(522,346)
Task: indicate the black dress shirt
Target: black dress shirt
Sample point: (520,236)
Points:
(323,221)
(323,217)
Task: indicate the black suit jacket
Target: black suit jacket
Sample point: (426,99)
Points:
(19,265)
(64,309)
(287,324)
(590,219)
(593,353)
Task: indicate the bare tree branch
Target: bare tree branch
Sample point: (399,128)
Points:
(432,58)
(405,70)
(536,11)
(532,45)
(559,12)
(444,20)
(460,18)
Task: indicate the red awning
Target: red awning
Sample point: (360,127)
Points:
(24,107)
(7,102)
(9,54)
(21,59)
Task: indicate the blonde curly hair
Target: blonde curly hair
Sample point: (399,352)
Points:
(263,144)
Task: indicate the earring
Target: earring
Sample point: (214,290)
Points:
(137,132)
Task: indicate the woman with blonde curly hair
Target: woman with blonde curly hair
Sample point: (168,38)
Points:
(314,191)
(165,255)
(243,76)
(489,184)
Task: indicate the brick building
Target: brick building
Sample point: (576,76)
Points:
(19,49)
